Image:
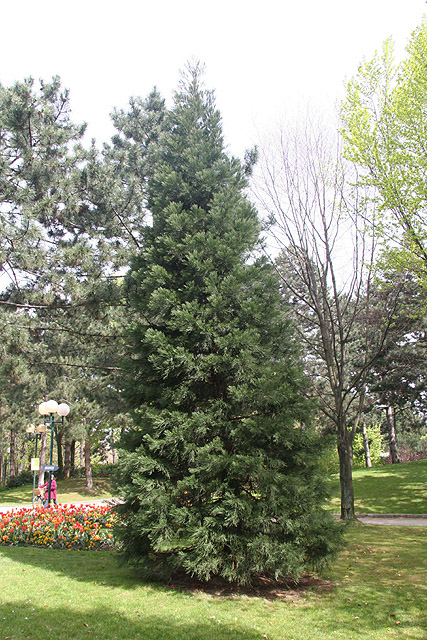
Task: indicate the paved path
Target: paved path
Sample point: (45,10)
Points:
(393,519)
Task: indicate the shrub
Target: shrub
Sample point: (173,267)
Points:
(412,445)
(98,471)
(329,461)
(25,477)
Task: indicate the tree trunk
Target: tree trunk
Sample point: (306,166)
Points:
(392,435)
(22,463)
(73,455)
(3,468)
(67,458)
(12,454)
(368,462)
(113,451)
(88,469)
(58,437)
(345,454)
(42,458)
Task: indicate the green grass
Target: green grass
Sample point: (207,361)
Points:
(377,582)
(397,488)
(375,590)
(70,490)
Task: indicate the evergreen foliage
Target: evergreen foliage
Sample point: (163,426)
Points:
(61,244)
(219,474)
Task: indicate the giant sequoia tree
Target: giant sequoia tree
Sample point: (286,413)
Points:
(219,474)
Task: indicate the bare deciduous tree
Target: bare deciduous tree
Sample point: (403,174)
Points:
(326,242)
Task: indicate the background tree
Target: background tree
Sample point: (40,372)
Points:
(70,219)
(35,164)
(219,476)
(384,128)
(327,248)
(397,381)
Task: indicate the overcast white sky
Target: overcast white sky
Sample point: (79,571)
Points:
(264,59)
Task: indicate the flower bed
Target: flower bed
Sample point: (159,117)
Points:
(68,527)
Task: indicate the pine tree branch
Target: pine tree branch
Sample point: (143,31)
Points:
(122,222)
(84,303)
(80,366)
(250,415)
(82,334)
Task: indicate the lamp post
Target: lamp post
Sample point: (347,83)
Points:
(38,432)
(47,410)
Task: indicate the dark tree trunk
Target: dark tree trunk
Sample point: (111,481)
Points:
(67,457)
(12,454)
(392,435)
(345,454)
(73,455)
(3,468)
(22,462)
(88,468)
(368,462)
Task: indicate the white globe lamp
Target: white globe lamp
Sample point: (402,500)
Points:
(51,406)
(63,410)
(43,410)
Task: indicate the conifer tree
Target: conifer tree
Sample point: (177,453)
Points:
(219,474)
(69,220)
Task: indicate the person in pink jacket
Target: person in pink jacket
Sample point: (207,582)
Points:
(52,491)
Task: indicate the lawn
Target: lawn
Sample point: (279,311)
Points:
(69,490)
(375,590)
(397,488)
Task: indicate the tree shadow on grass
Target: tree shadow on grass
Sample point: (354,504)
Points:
(102,567)
(380,579)
(25,619)
(397,488)
(105,569)
(384,608)
(399,493)
(364,617)
(9,497)
(381,593)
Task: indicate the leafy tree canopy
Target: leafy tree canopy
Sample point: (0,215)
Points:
(384,127)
